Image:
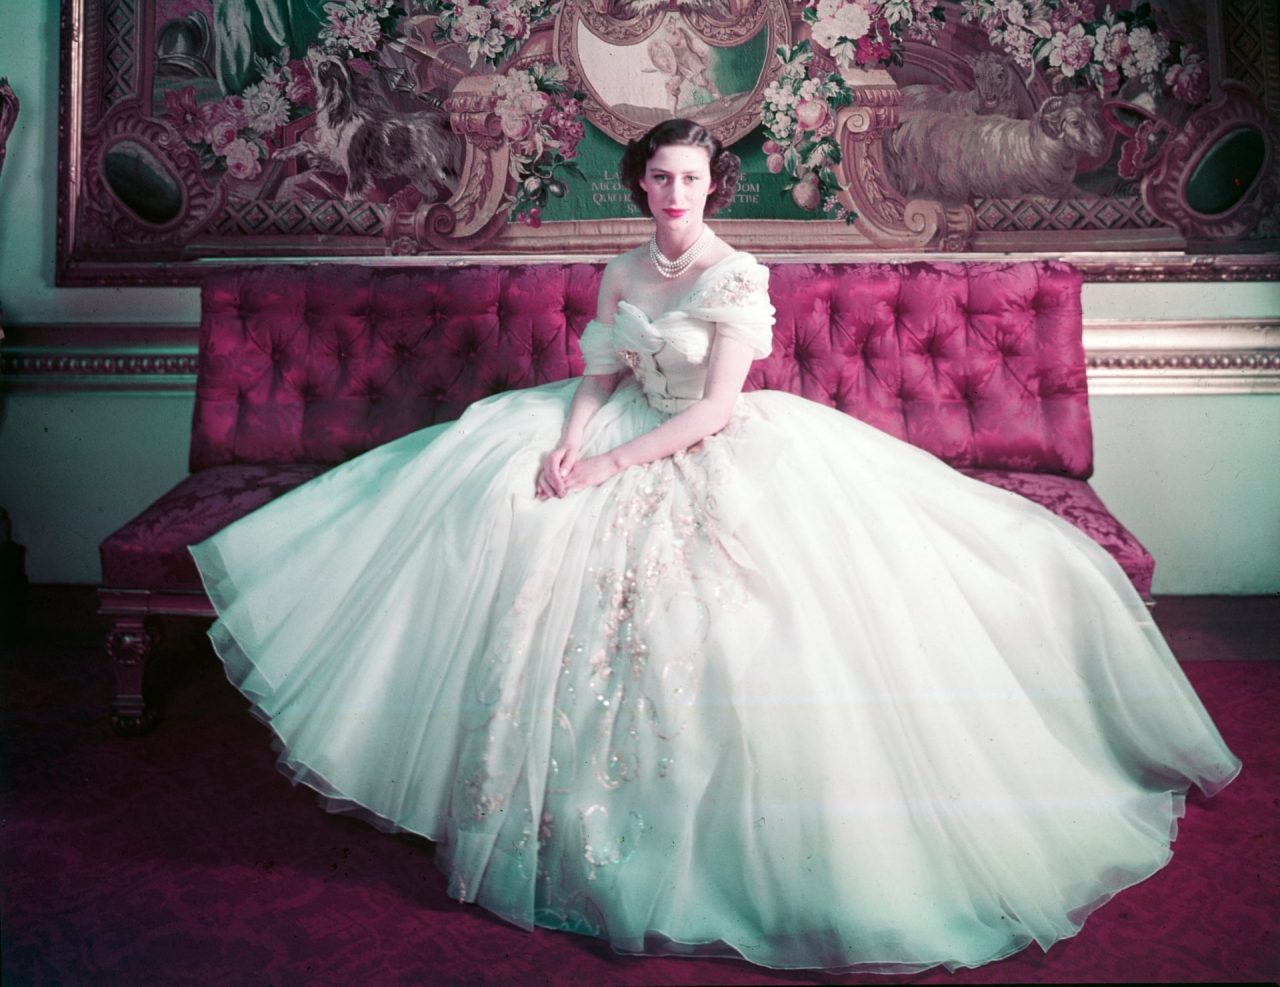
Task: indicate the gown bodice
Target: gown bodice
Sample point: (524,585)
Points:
(668,354)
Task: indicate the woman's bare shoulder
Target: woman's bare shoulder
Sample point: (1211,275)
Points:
(718,252)
(618,272)
(625,265)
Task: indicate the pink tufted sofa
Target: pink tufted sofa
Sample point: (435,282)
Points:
(304,367)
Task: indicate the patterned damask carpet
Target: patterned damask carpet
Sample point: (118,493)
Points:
(184,858)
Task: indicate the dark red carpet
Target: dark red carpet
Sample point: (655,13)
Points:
(184,858)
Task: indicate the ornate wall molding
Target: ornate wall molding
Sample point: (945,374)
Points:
(1141,268)
(144,359)
(778,241)
(1235,356)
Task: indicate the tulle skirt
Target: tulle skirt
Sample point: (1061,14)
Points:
(801,693)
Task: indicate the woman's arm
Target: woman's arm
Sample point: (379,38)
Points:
(592,393)
(590,397)
(727,368)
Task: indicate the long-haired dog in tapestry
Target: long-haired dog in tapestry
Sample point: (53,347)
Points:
(360,134)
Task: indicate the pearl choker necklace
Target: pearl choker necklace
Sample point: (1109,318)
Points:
(674,268)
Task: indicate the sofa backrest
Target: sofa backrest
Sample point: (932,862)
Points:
(320,363)
(981,364)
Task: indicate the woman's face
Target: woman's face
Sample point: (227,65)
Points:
(677,181)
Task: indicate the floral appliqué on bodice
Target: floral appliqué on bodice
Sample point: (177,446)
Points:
(745,288)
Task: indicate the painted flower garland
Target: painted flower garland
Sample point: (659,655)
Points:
(799,119)
(870,32)
(799,107)
(1105,50)
(357,27)
(543,123)
(541,120)
(490,29)
(235,134)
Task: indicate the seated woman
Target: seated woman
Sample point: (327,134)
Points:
(719,672)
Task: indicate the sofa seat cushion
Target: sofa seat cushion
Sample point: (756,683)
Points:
(150,552)
(1075,501)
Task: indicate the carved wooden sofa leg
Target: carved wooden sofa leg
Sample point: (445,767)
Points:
(134,635)
(131,641)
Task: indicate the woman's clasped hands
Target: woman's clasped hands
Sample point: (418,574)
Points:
(563,472)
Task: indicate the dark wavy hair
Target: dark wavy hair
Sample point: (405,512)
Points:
(725,166)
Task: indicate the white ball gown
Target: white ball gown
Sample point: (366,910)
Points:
(801,693)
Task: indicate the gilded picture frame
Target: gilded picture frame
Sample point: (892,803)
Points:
(190,137)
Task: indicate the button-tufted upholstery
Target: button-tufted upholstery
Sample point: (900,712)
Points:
(304,367)
(981,364)
(318,364)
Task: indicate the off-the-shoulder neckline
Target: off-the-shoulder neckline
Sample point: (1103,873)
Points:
(697,282)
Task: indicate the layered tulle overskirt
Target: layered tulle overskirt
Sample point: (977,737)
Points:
(801,693)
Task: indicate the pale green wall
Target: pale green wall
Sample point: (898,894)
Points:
(75,468)
(1197,479)
(1194,476)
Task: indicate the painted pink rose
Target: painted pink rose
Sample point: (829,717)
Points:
(775,163)
(1082,10)
(513,25)
(364,32)
(1070,51)
(869,52)
(180,106)
(1111,46)
(811,114)
(300,89)
(242,160)
(221,127)
(1189,79)
(1071,13)
(229,109)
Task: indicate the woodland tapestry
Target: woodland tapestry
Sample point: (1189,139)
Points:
(200,129)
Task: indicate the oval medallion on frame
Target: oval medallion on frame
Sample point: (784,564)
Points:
(708,61)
